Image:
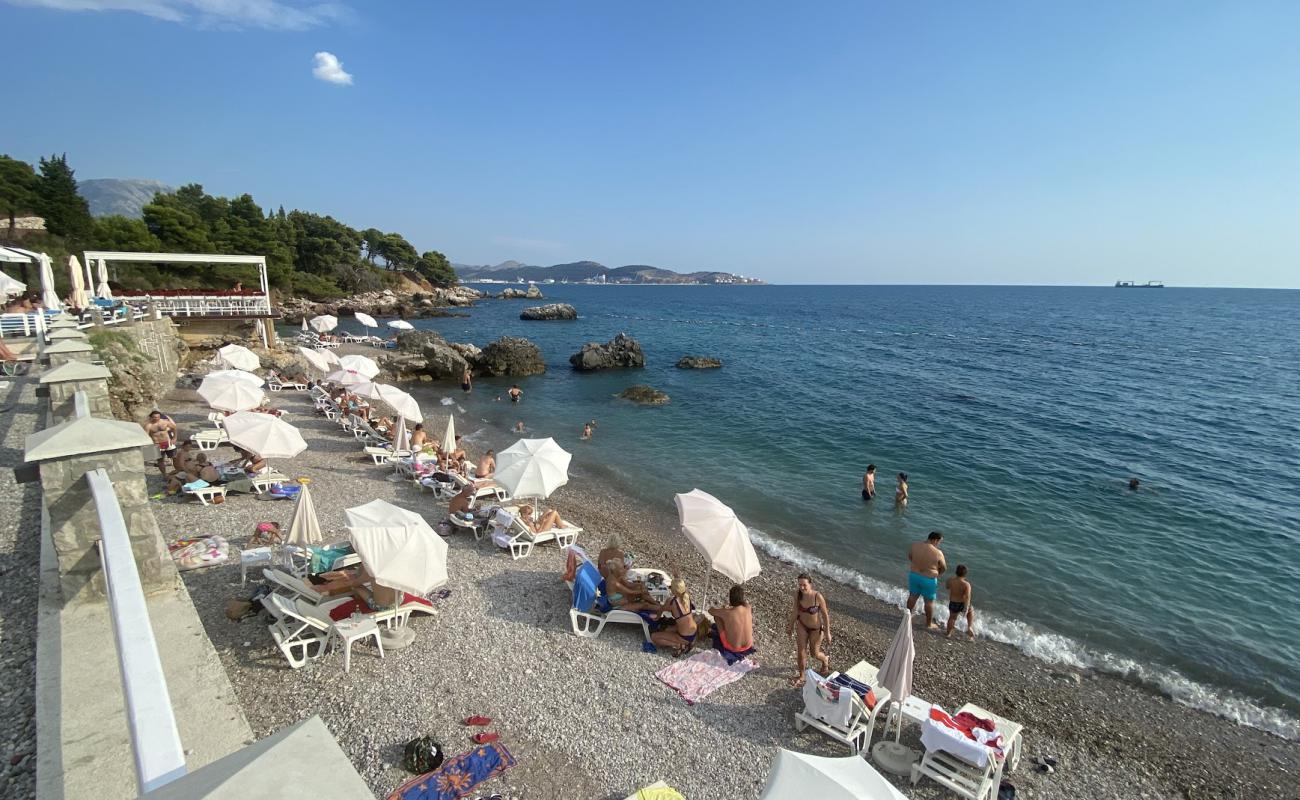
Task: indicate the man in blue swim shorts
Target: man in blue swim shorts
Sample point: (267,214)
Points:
(927,564)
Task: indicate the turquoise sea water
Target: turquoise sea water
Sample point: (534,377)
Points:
(1018,413)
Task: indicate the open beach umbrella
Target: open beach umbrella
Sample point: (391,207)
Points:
(304,530)
(236,375)
(77,284)
(330,356)
(380,514)
(362,365)
(401,325)
(346,378)
(410,558)
(401,402)
(102,289)
(324,323)
(448,442)
(228,394)
(718,534)
(315,359)
(264,434)
(236,356)
(532,468)
(10,285)
(896,669)
(366,320)
(799,776)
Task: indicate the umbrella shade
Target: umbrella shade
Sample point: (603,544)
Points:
(448,442)
(236,375)
(236,356)
(264,434)
(77,283)
(330,356)
(716,532)
(409,558)
(102,288)
(315,359)
(366,389)
(401,402)
(10,285)
(49,297)
(798,776)
(401,325)
(346,378)
(225,394)
(304,530)
(366,320)
(324,323)
(532,467)
(896,669)
(380,514)
(363,366)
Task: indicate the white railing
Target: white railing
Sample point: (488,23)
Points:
(208,305)
(17,325)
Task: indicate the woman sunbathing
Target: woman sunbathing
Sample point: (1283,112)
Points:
(196,469)
(681,636)
(549,519)
(623,594)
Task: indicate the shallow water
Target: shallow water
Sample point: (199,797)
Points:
(1019,414)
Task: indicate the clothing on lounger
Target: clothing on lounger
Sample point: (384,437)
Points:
(923,585)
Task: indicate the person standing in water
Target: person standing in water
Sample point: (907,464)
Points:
(959,603)
(900,494)
(869,483)
(516,394)
(810,623)
(466,381)
(926,563)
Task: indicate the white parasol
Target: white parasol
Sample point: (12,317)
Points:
(401,441)
(103,290)
(324,323)
(236,375)
(409,558)
(718,534)
(330,356)
(10,285)
(379,514)
(347,378)
(264,434)
(896,668)
(315,359)
(228,394)
(305,329)
(49,297)
(362,365)
(366,320)
(77,284)
(236,356)
(401,402)
(304,530)
(448,442)
(532,468)
(401,325)
(798,776)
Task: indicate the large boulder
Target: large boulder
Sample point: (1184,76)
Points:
(698,362)
(646,395)
(423,355)
(621,351)
(510,355)
(533,292)
(550,311)
(512,294)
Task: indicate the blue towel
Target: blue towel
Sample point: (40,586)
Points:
(857,686)
(587,584)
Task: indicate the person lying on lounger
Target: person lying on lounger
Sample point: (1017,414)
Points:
(550,518)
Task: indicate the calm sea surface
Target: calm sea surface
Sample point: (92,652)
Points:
(1018,413)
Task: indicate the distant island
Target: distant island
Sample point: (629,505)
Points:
(592,272)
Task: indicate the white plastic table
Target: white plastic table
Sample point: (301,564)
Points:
(254,557)
(355,629)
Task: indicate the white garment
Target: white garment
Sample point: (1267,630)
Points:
(834,713)
(937,736)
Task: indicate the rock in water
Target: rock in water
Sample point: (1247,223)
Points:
(621,351)
(647,395)
(698,362)
(550,311)
(423,355)
(533,292)
(510,355)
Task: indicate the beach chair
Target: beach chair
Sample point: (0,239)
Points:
(206,494)
(299,636)
(977,771)
(590,611)
(508,530)
(262,483)
(218,419)
(209,440)
(292,586)
(839,711)
(273,383)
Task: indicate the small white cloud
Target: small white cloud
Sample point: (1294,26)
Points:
(274,14)
(329,69)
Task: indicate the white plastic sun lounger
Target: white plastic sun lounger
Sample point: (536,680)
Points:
(509,528)
(852,724)
(969,779)
(589,624)
(299,636)
(210,439)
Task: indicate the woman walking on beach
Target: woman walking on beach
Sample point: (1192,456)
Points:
(809,623)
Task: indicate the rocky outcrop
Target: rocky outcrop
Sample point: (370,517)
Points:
(620,352)
(550,311)
(533,293)
(645,395)
(144,358)
(698,362)
(423,356)
(510,355)
(384,304)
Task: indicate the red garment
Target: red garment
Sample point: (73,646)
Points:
(966,722)
(344,610)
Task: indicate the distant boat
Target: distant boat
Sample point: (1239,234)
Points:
(1134,285)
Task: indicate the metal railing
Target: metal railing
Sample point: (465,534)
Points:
(12,325)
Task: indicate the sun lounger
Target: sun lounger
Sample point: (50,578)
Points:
(508,530)
(966,776)
(218,419)
(299,636)
(382,456)
(291,586)
(839,712)
(209,440)
(590,612)
(206,494)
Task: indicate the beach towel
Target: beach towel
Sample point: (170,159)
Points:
(941,732)
(586,583)
(457,776)
(702,674)
(825,701)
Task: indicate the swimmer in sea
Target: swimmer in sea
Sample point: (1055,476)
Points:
(516,394)
(900,495)
(586,431)
(519,426)
(869,483)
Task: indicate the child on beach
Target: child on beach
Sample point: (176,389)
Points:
(959,591)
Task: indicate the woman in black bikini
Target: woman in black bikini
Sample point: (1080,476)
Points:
(681,636)
(811,621)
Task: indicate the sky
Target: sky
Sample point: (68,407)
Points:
(830,142)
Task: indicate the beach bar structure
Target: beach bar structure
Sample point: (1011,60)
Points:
(201,312)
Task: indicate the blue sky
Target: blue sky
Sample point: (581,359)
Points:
(830,142)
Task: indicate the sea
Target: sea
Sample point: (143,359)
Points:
(1019,415)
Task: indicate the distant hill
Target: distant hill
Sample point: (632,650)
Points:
(591,271)
(123,196)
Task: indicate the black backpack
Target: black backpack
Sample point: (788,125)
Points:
(422,755)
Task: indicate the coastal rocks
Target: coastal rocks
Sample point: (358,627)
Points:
(533,293)
(645,395)
(698,362)
(549,312)
(510,355)
(143,359)
(423,356)
(620,352)
(386,303)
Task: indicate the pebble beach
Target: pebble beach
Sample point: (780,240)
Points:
(586,718)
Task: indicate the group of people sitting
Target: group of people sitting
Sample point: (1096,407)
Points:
(189,467)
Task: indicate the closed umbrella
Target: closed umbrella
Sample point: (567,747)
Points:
(448,442)
(304,530)
(718,534)
(400,440)
(401,402)
(10,285)
(896,669)
(532,468)
(363,366)
(799,776)
(366,320)
(103,290)
(379,514)
(236,375)
(305,329)
(228,394)
(324,323)
(315,359)
(49,297)
(264,434)
(236,356)
(77,284)
(401,325)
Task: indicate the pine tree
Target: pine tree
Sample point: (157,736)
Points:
(66,212)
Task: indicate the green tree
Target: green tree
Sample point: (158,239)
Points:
(436,269)
(116,232)
(179,229)
(372,243)
(66,212)
(18,188)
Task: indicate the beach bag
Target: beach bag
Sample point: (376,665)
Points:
(422,755)
(238,609)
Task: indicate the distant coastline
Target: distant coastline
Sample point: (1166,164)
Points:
(594,273)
